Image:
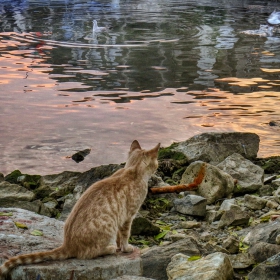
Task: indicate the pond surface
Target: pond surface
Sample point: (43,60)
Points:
(163,72)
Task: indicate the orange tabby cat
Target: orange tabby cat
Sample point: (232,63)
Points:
(100,222)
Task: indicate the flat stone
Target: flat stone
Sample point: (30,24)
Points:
(15,241)
(10,192)
(103,268)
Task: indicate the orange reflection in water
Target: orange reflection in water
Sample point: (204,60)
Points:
(50,120)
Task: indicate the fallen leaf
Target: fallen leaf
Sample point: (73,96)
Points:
(194,258)
(6,214)
(37,232)
(21,225)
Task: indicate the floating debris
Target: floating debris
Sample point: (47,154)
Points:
(80,156)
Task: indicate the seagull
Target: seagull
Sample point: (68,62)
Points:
(274,18)
(96,28)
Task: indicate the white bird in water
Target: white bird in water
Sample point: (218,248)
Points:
(96,28)
(274,18)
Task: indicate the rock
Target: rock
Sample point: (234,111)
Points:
(241,261)
(274,123)
(14,240)
(272,204)
(13,195)
(215,266)
(142,226)
(13,177)
(262,251)
(57,185)
(248,175)
(265,232)
(14,192)
(213,215)
(156,259)
(254,202)
(227,204)
(214,147)
(35,206)
(29,181)
(276,183)
(277,239)
(80,155)
(268,270)
(231,244)
(191,205)
(215,185)
(269,179)
(1,177)
(103,268)
(129,277)
(175,237)
(270,165)
(266,190)
(234,217)
(189,224)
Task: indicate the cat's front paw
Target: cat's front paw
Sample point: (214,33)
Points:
(128,249)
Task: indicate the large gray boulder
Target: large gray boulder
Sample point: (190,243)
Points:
(215,266)
(215,184)
(156,259)
(248,175)
(14,241)
(214,147)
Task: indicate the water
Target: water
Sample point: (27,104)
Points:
(163,72)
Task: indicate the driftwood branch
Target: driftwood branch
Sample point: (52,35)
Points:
(181,188)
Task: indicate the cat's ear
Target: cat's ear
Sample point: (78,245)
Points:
(154,151)
(135,145)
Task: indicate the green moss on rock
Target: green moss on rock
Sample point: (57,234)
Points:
(13,177)
(168,153)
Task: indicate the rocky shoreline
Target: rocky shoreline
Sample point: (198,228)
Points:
(228,228)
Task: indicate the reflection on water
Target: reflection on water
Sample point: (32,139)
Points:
(164,71)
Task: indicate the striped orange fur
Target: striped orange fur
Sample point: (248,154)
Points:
(100,222)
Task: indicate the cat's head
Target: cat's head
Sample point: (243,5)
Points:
(143,158)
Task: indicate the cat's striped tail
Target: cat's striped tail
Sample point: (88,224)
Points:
(56,254)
